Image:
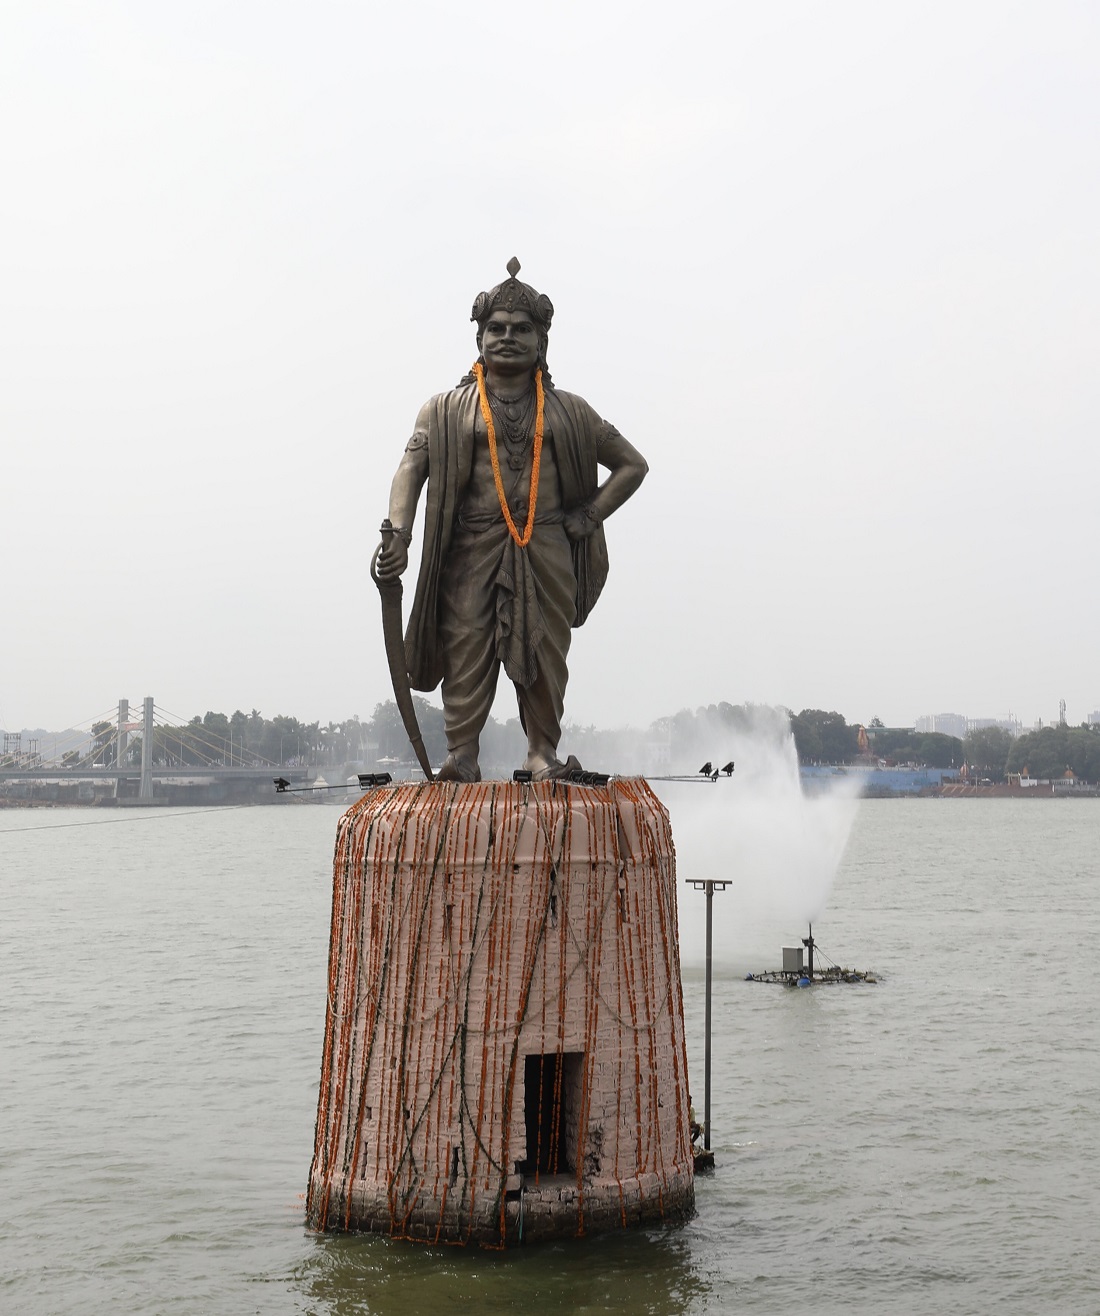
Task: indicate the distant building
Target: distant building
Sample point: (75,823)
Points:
(1094,719)
(1010,724)
(955,724)
(944,724)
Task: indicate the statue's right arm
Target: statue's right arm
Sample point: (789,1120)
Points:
(409,480)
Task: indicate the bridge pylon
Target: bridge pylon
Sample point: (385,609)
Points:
(123,737)
(145,792)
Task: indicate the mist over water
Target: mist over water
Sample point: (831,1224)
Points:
(778,847)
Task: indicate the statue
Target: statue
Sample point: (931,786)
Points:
(514,553)
(506,1103)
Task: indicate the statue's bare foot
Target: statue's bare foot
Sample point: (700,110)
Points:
(549,767)
(458,767)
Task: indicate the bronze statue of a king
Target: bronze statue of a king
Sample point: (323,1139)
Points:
(514,553)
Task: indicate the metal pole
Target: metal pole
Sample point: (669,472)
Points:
(708,886)
(706,1052)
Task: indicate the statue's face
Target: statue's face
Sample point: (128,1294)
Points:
(510,342)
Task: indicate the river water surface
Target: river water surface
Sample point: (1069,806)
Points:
(926,1145)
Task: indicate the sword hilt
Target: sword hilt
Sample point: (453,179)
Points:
(386,532)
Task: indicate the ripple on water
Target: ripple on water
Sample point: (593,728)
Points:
(925,1146)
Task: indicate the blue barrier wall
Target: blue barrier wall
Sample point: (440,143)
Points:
(876,781)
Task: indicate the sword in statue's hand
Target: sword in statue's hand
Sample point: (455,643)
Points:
(393,634)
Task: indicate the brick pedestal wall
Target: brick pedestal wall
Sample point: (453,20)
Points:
(504,1050)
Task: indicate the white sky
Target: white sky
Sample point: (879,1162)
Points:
(833,267)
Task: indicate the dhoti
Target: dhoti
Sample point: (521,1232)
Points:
(505,605)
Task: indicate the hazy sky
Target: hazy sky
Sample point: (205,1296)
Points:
(834,268)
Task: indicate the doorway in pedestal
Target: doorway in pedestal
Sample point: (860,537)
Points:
(551,1110)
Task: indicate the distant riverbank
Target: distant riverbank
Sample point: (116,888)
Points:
(1003,791)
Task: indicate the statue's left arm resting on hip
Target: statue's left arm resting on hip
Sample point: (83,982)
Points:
(628,469)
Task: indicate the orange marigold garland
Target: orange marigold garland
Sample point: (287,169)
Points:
(487,415)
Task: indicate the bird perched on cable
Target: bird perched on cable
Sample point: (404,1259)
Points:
(706,769)
(714,775)
(728,769)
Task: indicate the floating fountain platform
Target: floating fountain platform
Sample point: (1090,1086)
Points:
(504,1054)
(797,973)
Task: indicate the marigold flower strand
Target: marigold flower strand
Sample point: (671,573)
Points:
(487,415)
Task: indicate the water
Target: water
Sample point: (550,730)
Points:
(927,1145)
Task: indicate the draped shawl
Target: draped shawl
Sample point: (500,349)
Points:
(572,427)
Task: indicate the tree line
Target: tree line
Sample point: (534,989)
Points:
(988,752)
(672,742)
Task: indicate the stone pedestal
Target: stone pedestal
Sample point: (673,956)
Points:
(504,1052)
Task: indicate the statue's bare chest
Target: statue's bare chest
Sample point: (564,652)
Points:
(515,455)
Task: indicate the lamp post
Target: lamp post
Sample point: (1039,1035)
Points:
(709,885)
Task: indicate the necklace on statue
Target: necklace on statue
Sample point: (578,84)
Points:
(499,398)
(513,421)
(487,415)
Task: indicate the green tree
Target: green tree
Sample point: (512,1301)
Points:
(216,727)
(1047,753)
(104,744)
(824,737)
(986,749)
(936,750)
(388,732)
(893,743)
(284,738)
(807,739)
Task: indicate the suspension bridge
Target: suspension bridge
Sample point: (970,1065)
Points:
(156,758)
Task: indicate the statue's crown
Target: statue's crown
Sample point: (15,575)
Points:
(512,295)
